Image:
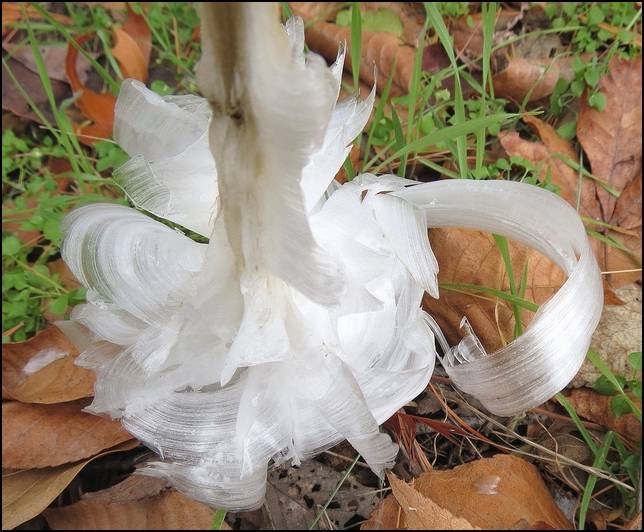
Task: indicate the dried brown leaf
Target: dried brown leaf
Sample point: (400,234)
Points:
(13,12)
(472,257)
(529,76)
(635,523)
(502,492)
(130,56)
(133,488)
(467,32)
(547,156)
(147,510)
(97,107)
(42,370)
(387,516)
(316,11)
(53,56)
(379,49)
(28,492)
(14,102)
(612,138)
(422,513)
(132,50)
(36,436)
(596,407)
(494,493)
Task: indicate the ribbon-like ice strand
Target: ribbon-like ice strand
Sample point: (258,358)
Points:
(543,360)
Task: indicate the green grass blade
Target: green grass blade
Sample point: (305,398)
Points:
(502,244)
(335,492)
(436,19)
(578,423)
(61,121)
(489,16)
(448,133)
(413,93)
(493,292)
(348,168)
(356,44)
(585,173)
(287,12)
(102,71)
(438,168)
(218,520)
(379,112)
(600,461)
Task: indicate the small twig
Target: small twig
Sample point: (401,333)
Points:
(622,271)
(13,329)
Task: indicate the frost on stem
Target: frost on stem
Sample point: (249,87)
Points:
(299,324)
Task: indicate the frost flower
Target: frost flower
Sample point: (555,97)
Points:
(299,323)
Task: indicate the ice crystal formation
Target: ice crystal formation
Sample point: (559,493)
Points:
(299,323)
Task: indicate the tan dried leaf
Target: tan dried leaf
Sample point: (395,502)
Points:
(472,257)
(379,49)
(528,76)
(612,138)
(316,11)
(42,370)
(387,516)
(547,155)
(422,513)
(502,492)
(27,493)
(596,407)
(35,435)
(628,210)
(149,507)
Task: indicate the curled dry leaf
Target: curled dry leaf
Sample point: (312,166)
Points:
(28,492)
(596,407)
(536,78)
(130,56)
(42,370)
(137,503)
(379,50)
(132,51)
(502,492)
(97,107)
(36,436)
